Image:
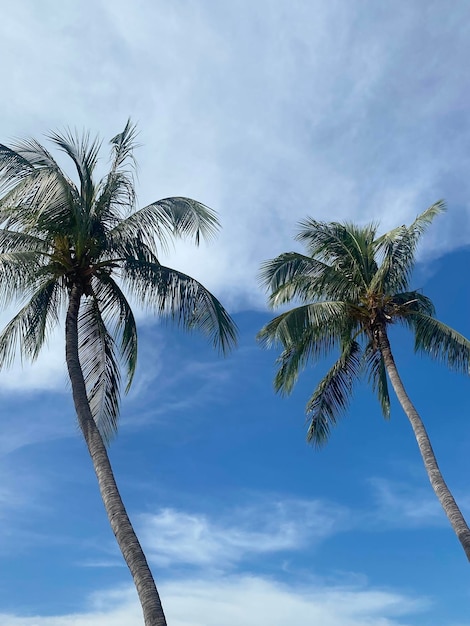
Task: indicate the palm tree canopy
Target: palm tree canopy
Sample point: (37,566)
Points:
(349,284)
(56,234)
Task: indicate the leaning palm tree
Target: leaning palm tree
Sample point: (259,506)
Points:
(351,287)
(79,247)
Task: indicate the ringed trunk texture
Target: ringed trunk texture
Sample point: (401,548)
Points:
(117,515)
(438,483)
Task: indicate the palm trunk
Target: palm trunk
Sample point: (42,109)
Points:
(438,483)
(117,515)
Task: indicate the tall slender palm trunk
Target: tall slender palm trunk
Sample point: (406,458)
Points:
(117,515)
(438,483)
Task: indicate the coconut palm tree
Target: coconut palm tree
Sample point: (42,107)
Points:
(351,286)
(79,247)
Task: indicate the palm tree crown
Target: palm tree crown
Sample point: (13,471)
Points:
(351,286)
(57,234)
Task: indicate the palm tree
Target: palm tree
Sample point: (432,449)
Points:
(79,247)
(351,286)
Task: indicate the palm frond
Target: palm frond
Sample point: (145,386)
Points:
(13,168)
(411,301)
(118,317)
(324,320)
(182,217)
(182,299)
(346,247)
(28,330)
(307,333)
(398,251)
(20,274)
(116,196)
(375,365)
(439,341)
(84,153)
(331,398)
(123,145)
(100,367)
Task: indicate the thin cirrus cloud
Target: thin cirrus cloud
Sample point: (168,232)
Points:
(178,537)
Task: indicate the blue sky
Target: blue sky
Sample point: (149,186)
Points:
(267,112)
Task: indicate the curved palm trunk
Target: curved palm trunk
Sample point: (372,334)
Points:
(117,515)
(437,481)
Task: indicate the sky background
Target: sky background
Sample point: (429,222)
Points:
(267,111)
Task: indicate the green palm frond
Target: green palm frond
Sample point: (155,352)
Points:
(116,196)
(13,168)
(374,364)
(183,217)
(439,341)
(346,247)
(84,153)
(296,276)
(411,301)
(181,298)
(324,320)
(20,273)
(397,249)
(307,333)
(49,194)
(331,398)
(29,329)
(123,145)
(100,366)
(118,317)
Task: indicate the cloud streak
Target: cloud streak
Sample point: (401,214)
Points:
(248,600)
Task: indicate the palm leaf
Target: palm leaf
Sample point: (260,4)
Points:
(181,298)
(440,341)
(29,329)
(331,398)
(118,317)
(398,251)
(375,365)
(100,368)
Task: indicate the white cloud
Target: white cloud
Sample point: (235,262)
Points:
(247,600)
(265,111)
(172,536)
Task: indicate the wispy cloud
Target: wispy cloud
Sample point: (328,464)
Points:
(174,536)
(251,601)
(265,111)
(405,505)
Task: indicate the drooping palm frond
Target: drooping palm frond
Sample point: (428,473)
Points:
(306,333)
(117,315)
(439,341)
(331,398)
(28,330)
(20,273)
(377,376)
(50,195)
(100,366)
(182,299)
(323,319)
